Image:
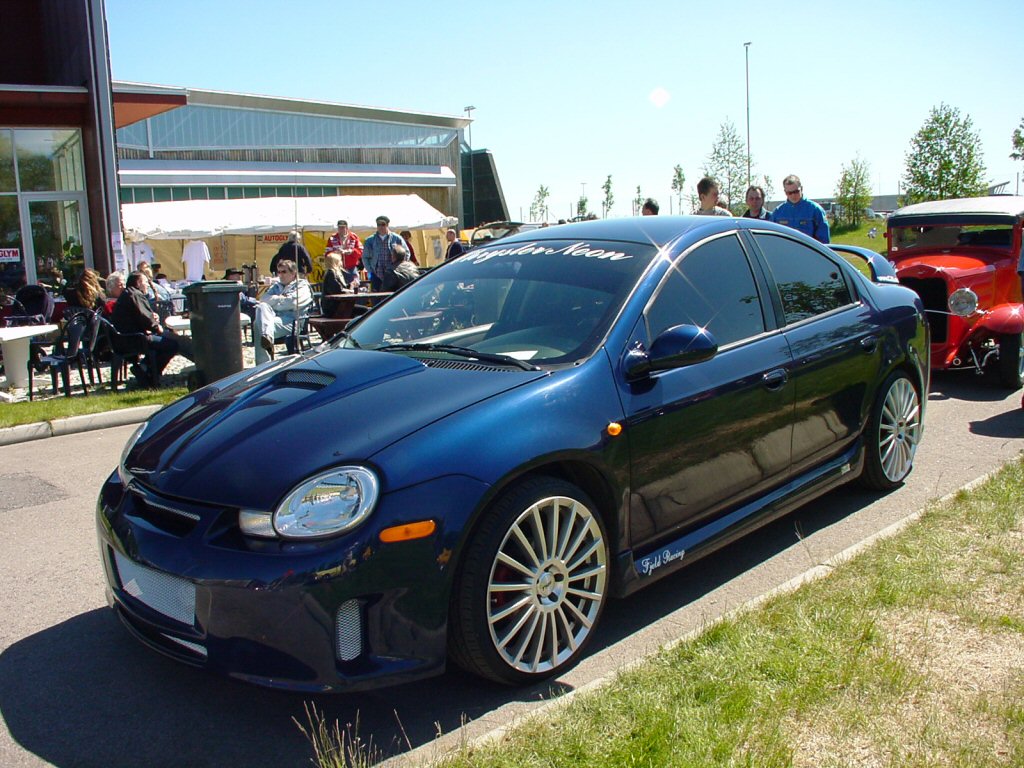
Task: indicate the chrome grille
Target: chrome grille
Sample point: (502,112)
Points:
(349,631)
(172,596)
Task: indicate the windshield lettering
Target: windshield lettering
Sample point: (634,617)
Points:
(534,249)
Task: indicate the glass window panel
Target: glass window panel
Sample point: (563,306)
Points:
(250,192)
(216,193)
(161,194)
(198,193)
(7,180)
(711,287)
(49,160)
(56,237)
(179,193)
(12,255)
(235,193)
(810,283)
(143,194)
(127,195)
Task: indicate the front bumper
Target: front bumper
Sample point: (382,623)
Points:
(338,614)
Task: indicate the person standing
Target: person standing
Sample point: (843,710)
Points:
(195,256)
(407,236)
(377,252)
(295,251)
(707,191)
(755,204)
(800,213)
(650,207)
(454,246)
(347,245)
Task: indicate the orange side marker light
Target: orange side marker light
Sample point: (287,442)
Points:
(615,429)
(408,531)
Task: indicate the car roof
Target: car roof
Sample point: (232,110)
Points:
(1006,205)
(654,230)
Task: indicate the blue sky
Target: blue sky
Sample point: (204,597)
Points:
(562,90)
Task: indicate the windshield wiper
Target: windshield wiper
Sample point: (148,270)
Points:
(489,357)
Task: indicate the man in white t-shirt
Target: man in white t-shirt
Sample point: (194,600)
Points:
(195,256)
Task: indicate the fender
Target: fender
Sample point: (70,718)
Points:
(1002,320)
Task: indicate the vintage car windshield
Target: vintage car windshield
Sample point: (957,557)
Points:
(952,236)
(542,301)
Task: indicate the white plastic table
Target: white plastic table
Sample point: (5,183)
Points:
(16,346)
(180,324)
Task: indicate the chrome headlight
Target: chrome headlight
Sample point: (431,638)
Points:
(324,505)
(122,471)
(963,302)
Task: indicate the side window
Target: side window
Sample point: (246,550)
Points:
(711,287)
(810,284)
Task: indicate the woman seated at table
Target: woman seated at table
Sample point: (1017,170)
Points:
(334,283)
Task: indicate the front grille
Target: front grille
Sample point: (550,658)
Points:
(349,631)
(167,517)
(172,596)
(935,299)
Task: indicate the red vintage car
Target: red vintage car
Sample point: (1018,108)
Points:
(962,258)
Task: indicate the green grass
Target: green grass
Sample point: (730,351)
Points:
(13,414)
(908,655)
(859,235)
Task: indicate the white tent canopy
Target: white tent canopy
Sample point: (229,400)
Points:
(195,219)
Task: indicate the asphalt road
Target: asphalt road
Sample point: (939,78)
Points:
(76,690)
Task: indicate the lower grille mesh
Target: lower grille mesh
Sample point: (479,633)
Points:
(166,594)
(349,631)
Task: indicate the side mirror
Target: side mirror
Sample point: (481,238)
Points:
(675,347)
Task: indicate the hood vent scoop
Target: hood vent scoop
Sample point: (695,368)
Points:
(298,377)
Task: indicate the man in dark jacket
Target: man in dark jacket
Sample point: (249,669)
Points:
(295,251)
(132,314)
(454,246)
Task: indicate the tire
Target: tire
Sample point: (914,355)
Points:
(523,610)
(1010,361)
(893,433)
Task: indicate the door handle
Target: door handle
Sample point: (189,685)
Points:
(775,380)
(869,343)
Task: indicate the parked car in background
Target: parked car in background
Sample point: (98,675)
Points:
(496,230)
(961,257)
(870,213)
(477,465)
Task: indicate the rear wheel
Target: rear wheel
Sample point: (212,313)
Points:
(1011,361)
(893,433)
(532,586)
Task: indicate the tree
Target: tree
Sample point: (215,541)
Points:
(853,192)
(945,159)
(539,206)
(581,207)
(609,198)
(727,164)
(678,185)
(1017,140)
(638,201)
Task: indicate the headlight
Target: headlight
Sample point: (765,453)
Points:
(963,302)
(122,472)
(325,505)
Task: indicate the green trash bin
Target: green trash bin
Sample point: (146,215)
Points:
(213,307)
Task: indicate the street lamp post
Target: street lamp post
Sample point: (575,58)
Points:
(746,55)
(469,128)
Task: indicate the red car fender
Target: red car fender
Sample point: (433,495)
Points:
(1002,320)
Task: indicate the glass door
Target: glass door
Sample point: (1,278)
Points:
(58,238)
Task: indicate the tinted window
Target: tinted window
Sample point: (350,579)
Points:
(711,287)
(810,283)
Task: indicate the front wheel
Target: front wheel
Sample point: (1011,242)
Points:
(892,434)
(532,585)
(1011,361)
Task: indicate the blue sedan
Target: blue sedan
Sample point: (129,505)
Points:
(476,466)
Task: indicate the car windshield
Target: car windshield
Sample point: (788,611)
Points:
(538,302)
(498,230)
(952,236)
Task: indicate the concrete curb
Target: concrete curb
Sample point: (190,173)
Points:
(73,424)
(429,754)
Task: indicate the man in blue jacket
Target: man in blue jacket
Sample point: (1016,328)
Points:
(800,213)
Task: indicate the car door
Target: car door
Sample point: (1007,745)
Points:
(836,345)
(707,436)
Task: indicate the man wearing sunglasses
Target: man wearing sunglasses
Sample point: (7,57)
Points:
(275,313)
(800,213)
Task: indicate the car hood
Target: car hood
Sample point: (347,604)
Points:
(250,439)
(949,266)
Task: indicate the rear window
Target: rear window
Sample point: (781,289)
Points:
(952,236)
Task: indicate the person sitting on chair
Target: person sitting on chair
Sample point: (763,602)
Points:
(276,312)
(404,270)
(132,314)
